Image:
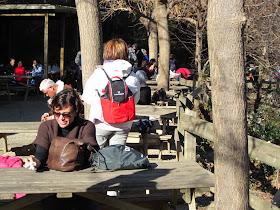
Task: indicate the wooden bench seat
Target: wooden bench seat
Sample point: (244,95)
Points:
(135,141)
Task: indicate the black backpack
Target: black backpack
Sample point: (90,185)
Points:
(159,95)
(118,101)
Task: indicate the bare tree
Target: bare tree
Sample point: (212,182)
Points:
(91,38)
(193,12)
(142,11)
(225,31)
(263,34)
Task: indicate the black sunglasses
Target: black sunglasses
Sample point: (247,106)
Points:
(64,115)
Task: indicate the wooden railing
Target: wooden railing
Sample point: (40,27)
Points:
(190,127)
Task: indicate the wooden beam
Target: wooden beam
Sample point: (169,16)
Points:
(46,45)
(62,45)
(264,151)
(41,7)
(27,14)
(257,203)
(258,149)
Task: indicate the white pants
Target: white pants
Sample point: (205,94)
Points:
(114,137)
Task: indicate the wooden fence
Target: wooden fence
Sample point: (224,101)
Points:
(190,127)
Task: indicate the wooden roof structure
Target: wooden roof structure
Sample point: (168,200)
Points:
(44,10)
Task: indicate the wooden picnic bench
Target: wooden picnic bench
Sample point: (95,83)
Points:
(19,86)
(16,127)
(184,177)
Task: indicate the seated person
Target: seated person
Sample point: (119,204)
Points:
(153,71)
(173,75)
(9,68)
(66,107)
(37,69)
(20,71)
(145,91)
(184,73)
(51,89)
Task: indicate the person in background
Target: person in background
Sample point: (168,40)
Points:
(145,90)
(183,73)
(66,107)
(145,55)
(139,55)
(172,62)
(78,61)
(144,66)
(51,89)
(37,69)
(132,57)
(115,64)
(20,71)
(10,67)
(152,68)
(253,74)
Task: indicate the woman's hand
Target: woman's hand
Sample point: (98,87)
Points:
(31,163)
(46,117)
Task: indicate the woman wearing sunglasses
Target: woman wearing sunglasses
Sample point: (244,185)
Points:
(66,107)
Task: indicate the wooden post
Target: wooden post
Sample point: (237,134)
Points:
(62,45)
(189,141)
(189,146)
(46,41)
(5,142)
(189,197)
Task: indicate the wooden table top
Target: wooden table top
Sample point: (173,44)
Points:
(154,111)
(167,175)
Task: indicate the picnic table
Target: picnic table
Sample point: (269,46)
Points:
(20,86)
(175,176)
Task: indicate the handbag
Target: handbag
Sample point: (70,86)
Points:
(119,157)
(66,154)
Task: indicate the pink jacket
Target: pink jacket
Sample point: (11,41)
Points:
(11,162)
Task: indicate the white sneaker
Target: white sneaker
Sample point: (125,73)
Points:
(112,193)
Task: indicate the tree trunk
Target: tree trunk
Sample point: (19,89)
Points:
(90,38)
(198,38)
(151,27)
(198,49)
(164,43)
(225,32)
(153,40)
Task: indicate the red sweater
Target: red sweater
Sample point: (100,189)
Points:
(21,72)
(183,71)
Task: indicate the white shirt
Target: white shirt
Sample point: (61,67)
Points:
(98,81)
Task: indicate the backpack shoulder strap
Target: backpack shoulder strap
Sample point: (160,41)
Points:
(107,75)
(127,76)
